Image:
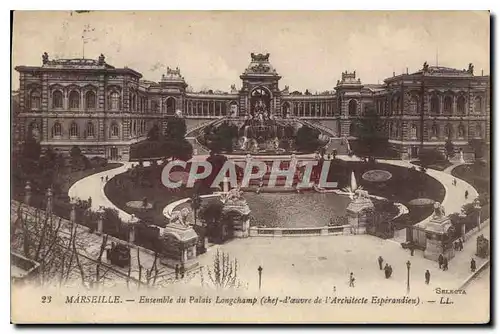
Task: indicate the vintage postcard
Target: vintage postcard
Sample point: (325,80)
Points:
(250,167)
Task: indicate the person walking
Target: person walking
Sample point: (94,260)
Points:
(466,194)
(440,260)
(106,178)
(102,179)
(386,270)
(427,276)
(454,182)
(473,265)
(445,264)
(351,280)
(380,262)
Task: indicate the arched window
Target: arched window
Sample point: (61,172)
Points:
(73,130)
(395,105)
(461,131)
(461,105)
(114,131)
(170,106)
(114,101)
(413,105)
(448,103)
(435,110)
(413,131)
(352,130)
(74,100)
(90,129)
(90,100)
(435,131)
(35,99)
(448,130)
(478,104)
(478,132)
(57,99)
(57,130)
(353,108)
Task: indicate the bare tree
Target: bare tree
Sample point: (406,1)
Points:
(223,273)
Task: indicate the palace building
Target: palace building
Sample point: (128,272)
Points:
(103,109)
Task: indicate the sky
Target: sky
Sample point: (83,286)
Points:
(309,49)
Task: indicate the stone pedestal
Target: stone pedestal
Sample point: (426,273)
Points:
(436,233)
(179,245)
(238,211)
(358,212)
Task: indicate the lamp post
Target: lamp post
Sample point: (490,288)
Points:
(477,206)
(260,276)
(408,265)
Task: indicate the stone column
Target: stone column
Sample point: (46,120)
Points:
(27,193)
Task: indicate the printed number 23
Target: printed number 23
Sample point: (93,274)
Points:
(46,299)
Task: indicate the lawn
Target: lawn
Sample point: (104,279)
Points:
(439,165)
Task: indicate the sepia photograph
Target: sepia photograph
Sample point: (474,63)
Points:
(291,167)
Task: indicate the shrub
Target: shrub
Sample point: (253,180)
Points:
(430,156)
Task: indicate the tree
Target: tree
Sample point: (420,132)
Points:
(478,146)
(306,139)
(371,135)
(195,204)
(154,133)
(223,273)
(449,149)
(176,128)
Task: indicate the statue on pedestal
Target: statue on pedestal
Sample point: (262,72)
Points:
(180,217)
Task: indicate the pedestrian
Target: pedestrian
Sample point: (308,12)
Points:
(386,270)
(460,245)
(176,271)
(390,270)
(106,178)
(102,179)
(454,182)
(380,262)
(183,270)
(440,260)
(427,276)
(351,280)
(466,194)
(473,265)
(412,250)
(445,264)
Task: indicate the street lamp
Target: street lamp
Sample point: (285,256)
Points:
(260,276)
(408,265)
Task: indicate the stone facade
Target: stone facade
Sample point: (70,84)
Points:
(104,109)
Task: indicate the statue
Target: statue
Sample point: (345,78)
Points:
(426,67)
(233,88)
(360,194)
(233,195)
(45,58)
(101,59)
(470,70)
(180,217)
(438,210)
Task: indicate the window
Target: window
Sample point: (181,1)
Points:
(413,131)
(395,105)
(461,105)
(448,103)
(57,130)
(35,99)
(413,105)
(353,107)
(73,130)
(74,100)
(57,99)
(90,100)
(448,130)
(114,101)
(90,129)
(170,106)
(478,104)
(478,132)
(435,131)
(114,130)
(435,105)
(461,131)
